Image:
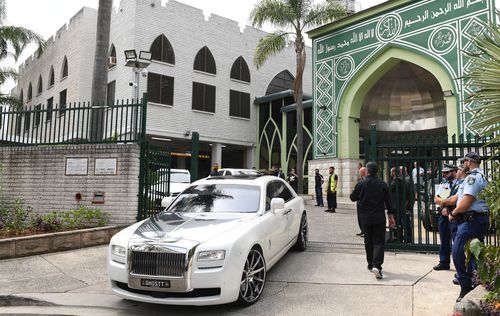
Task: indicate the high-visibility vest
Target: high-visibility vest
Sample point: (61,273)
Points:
(332,184)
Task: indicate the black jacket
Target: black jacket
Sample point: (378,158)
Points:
(373,196)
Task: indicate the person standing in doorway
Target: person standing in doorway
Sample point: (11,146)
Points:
(331,190)
(374,198)
(318,187)
(292,179)
(474,219)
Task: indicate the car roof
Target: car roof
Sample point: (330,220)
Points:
(174,170)
(237,179)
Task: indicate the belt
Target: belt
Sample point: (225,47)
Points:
(476,214)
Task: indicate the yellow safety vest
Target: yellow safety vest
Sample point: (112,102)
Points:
(332,183)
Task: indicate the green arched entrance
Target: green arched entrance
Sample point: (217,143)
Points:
(352,99)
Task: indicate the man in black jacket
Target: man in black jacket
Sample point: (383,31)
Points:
(373,196)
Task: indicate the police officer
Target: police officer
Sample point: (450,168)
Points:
(474,219)
(447,188)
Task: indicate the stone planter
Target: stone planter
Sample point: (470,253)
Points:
(44,243)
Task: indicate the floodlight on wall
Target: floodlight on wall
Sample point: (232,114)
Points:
(132,61)
(145,55)
(448,93)
(130,54)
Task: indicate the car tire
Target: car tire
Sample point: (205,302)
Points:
(303,236)
(253,278)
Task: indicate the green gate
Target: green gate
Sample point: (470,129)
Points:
(416,228)
(154,179)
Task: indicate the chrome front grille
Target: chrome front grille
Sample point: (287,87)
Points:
(158,263)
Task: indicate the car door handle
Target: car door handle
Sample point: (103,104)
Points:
(287,211)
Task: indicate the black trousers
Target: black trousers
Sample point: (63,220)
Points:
(359,219)
(331,198)
(374,244)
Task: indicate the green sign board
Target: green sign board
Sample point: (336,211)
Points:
(439,30)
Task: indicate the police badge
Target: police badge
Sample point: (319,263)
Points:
(471,180)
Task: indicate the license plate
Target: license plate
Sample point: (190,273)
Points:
(163,284)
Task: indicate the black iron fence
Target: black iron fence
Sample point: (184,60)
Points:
(73,123)
(416,164)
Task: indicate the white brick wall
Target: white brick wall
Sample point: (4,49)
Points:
(37,175)
(346,169)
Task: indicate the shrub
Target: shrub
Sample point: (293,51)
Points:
(83,217)
(15,219)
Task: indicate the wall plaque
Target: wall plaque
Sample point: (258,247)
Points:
(105,166)
(77,166)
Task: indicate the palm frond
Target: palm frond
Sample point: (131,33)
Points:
(19,38)
(10,100)
(322,13)
(6,73)
(276,12)
(270,45)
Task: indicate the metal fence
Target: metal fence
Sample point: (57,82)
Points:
(73,123)
(417,227)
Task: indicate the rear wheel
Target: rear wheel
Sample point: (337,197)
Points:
(253,278)
(303,235)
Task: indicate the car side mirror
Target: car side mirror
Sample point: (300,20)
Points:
(277,204)
(166,201)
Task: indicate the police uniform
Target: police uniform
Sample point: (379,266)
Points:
(473,223)
(444,224)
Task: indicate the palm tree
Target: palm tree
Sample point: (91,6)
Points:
(100,72)
(13,41)
(292,18)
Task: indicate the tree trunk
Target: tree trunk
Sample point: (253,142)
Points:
(100,72)
(300,56)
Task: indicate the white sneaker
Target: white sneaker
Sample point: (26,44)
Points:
(378,273)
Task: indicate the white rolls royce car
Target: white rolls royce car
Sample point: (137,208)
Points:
(213,243)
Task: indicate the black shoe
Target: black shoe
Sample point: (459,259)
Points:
(322,205)
(328,210)
(455,281)
(369,267)
(440,267)
(359,234)
(316,204)
(333,210)
(463,292)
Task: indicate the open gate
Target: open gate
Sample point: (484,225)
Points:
(416,228)
(154,179)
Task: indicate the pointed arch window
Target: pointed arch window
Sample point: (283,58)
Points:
(29,96)
(112,57)
(64,70)
(51,76)
(281,82)
(39,87)
(161,50)
(21,97)
(240,71)
(204,61)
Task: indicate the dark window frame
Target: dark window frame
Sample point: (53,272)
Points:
(50,109)
(112,54)
(39,88)
(239,104)
(240,70)
(38,114)
(202,97)
(205,62)
(161,46)
(62,105)
(161,89)
(51,77)
(110,93)
(29,95)
(65,69)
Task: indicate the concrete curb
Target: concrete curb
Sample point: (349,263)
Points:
(53,242)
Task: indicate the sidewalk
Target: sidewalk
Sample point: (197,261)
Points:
(330,278)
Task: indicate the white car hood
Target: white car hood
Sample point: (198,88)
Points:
(178,187)
(167,227)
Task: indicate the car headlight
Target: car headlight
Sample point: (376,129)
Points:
(212,255)
(118,251)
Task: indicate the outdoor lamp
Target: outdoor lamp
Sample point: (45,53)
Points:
(130,54)
(448,93)
(144,55)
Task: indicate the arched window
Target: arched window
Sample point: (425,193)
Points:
(39,86)
(64,70)
(21,97)
(204,61)
(51,76)
(112,57)
(281,82)
(240,71)
(30,93)
(161,50)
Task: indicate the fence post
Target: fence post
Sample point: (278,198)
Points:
(373,142)
(195,150)
(144,117)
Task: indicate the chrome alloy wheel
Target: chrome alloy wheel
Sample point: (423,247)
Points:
(253,278)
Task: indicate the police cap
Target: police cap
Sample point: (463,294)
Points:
(472,156)
(448,167)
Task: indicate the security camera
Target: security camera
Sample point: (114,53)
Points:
(144,73)
(132,84)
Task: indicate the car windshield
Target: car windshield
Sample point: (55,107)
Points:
(175,177)
(218,198)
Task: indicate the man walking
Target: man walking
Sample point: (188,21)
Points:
(474,219)
(446,189)
(331,190)
(373,196)
(318,187)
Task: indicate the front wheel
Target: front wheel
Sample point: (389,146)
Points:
(253,278)
(303,236)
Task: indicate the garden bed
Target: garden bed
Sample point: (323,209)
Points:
(53,242)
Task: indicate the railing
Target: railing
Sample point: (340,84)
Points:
(73,123)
